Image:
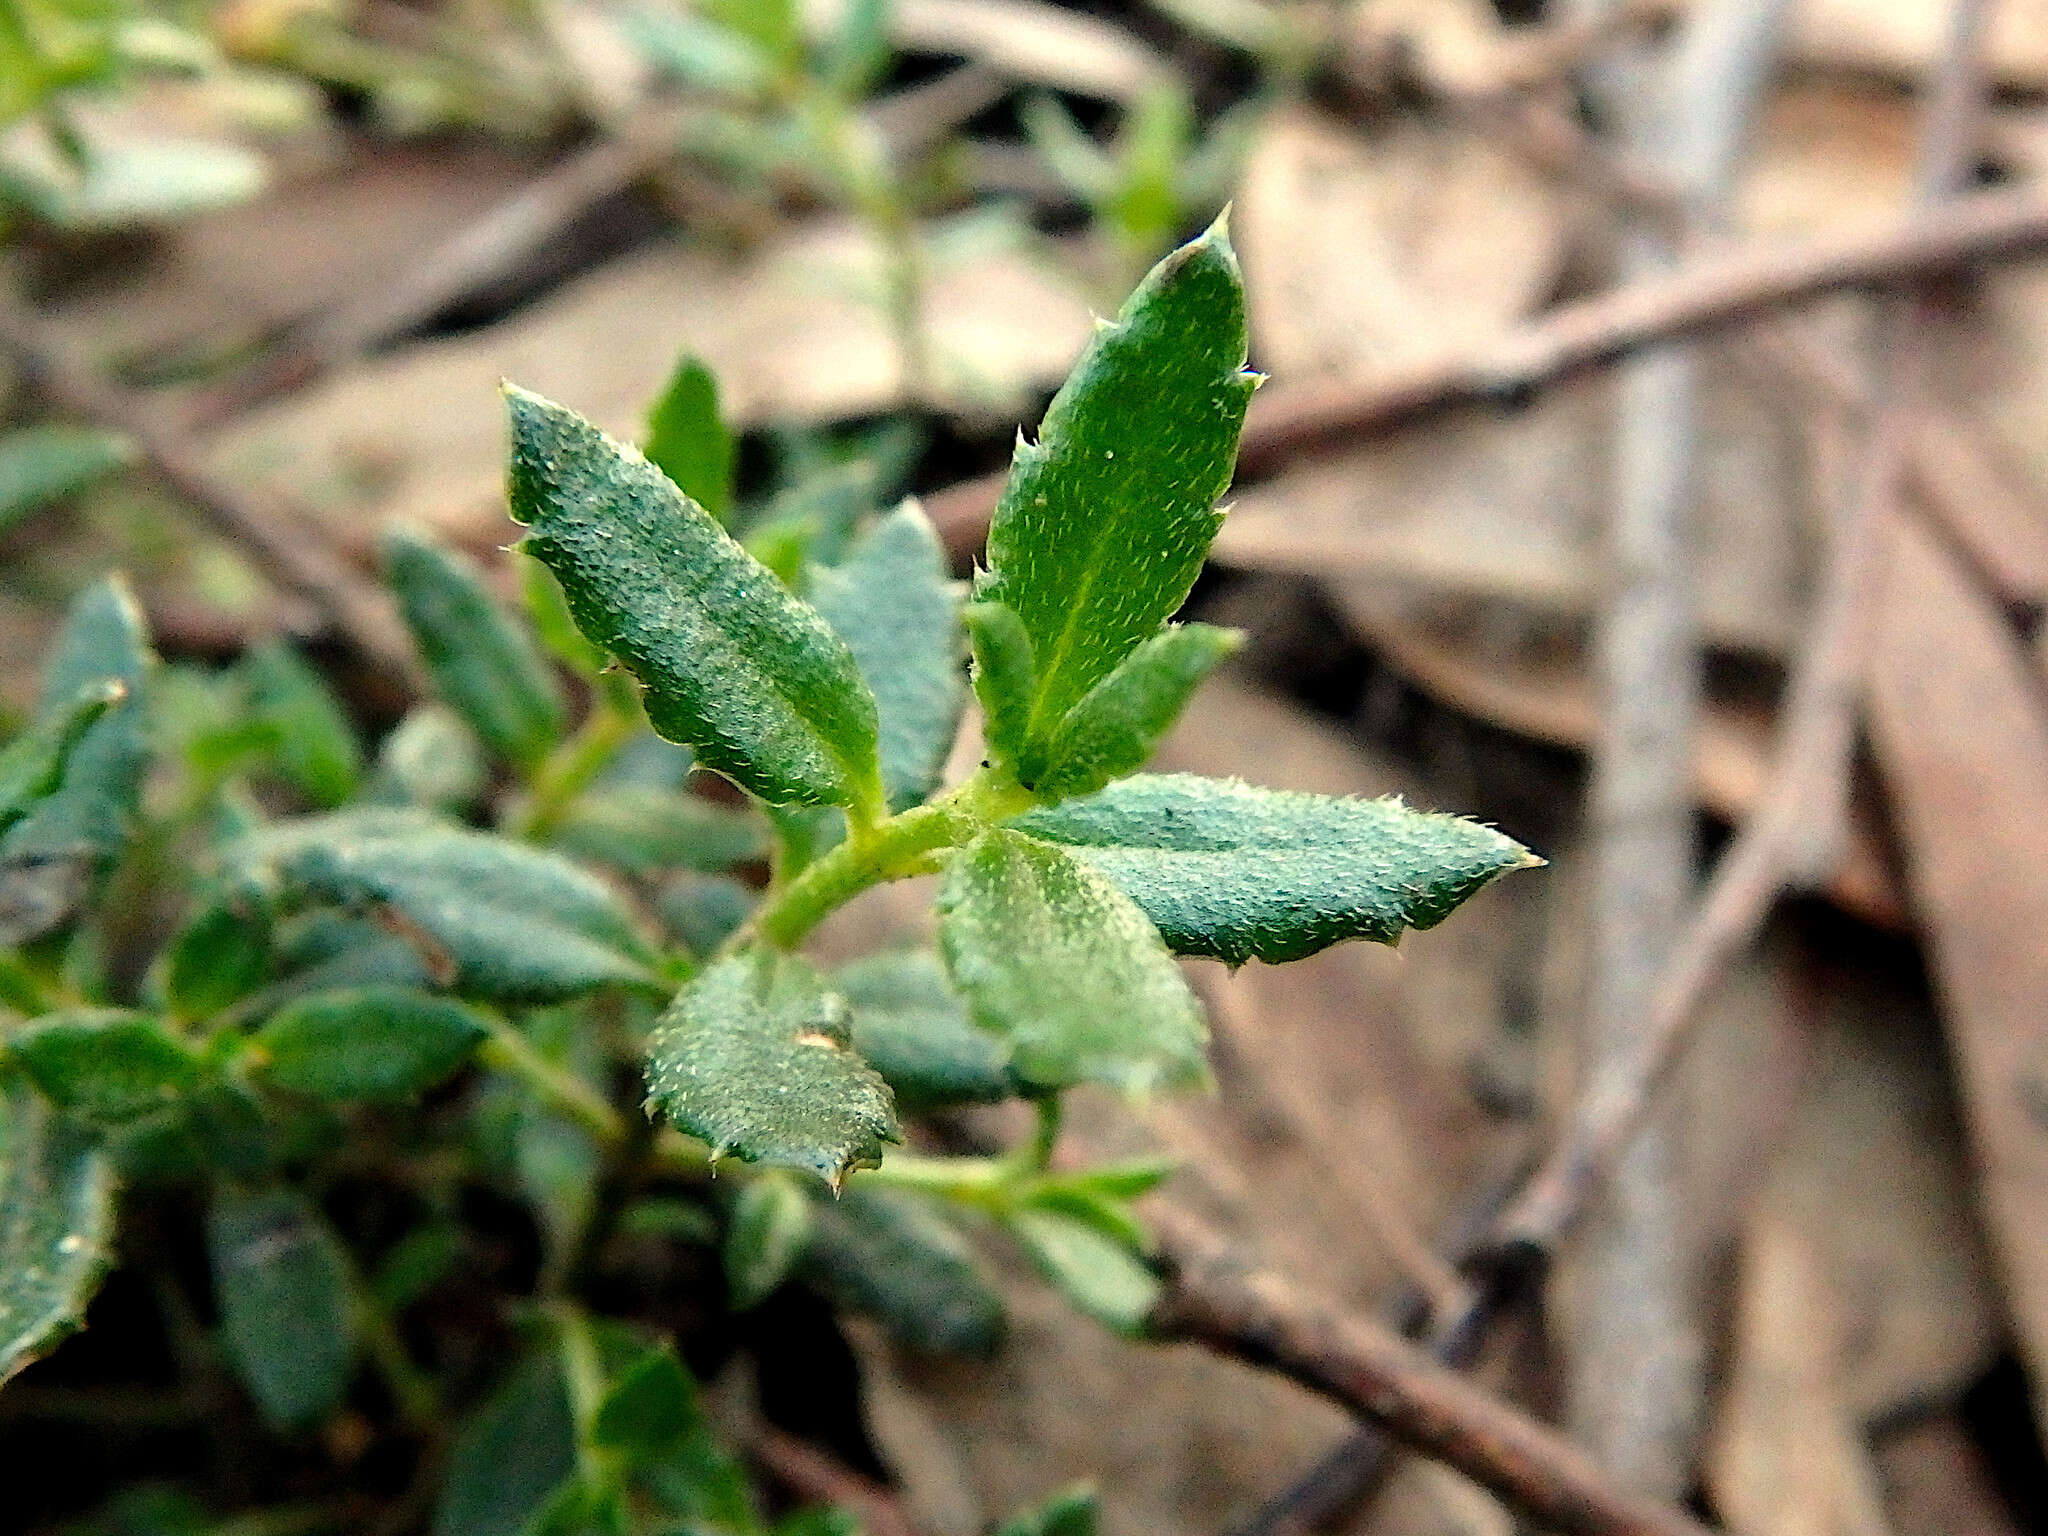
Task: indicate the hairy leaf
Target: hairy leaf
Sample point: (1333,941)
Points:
(282,1286)
(913,1028)
(735,666)
(896,605)
(56,1222)
(1057,962)
(896,1258)
(1107,519)
(688,442)
(1227,869)
(753,1057)
(1005,674)
(483,666)
(375,1043)
(106,1065)
(1118,722)
(491,917)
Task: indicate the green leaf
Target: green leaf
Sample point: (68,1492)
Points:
(1098,1274)
(896,605)
(514,1451)
(753,1057)
(48,858)
(1106,520)
(491,917)
(374,1043)
(282,1286)
(432,760)
(316,747)
(417,1262)
(1058,963)
(769,1229)
(913,1028)
(820,1522)
(1005,675)
(482,665)
(688,442)
(649,1409)
(1070,1512)
(220,956)
(33,764)
(703,911)
(56,1224)
(106,1065)
(42,465)
(1118,722)
(735,666)
(1227,869)
(896,1258)
(642,829)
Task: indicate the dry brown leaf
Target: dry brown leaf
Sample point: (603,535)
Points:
(1905,37)
(1787,1459)
(1363,253)
(1826,156)
(1936,1482)
(1025,40)
(225,279)
(1957,720)
(1510,507)
(791,333)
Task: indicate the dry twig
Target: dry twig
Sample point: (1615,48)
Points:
(1214,1299)
(284,540)
(1286,421)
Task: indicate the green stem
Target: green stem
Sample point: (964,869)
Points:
(513,1054)
(982,1182)
(583,1374)
(569,769)
(893,848)
(419,1400)
(1036,1154)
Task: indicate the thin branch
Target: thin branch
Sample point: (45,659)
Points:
(1214,1299)
(283,539)
(1775,849)
(819,1477)
(1286,420)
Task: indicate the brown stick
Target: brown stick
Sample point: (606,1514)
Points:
(818,1476)
(282,538)
(1288,419)
(1212,1298)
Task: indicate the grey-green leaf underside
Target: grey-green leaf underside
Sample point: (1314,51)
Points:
(1057,962)
(754,1057)
(1227,869)
(735,666)
(492,917)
